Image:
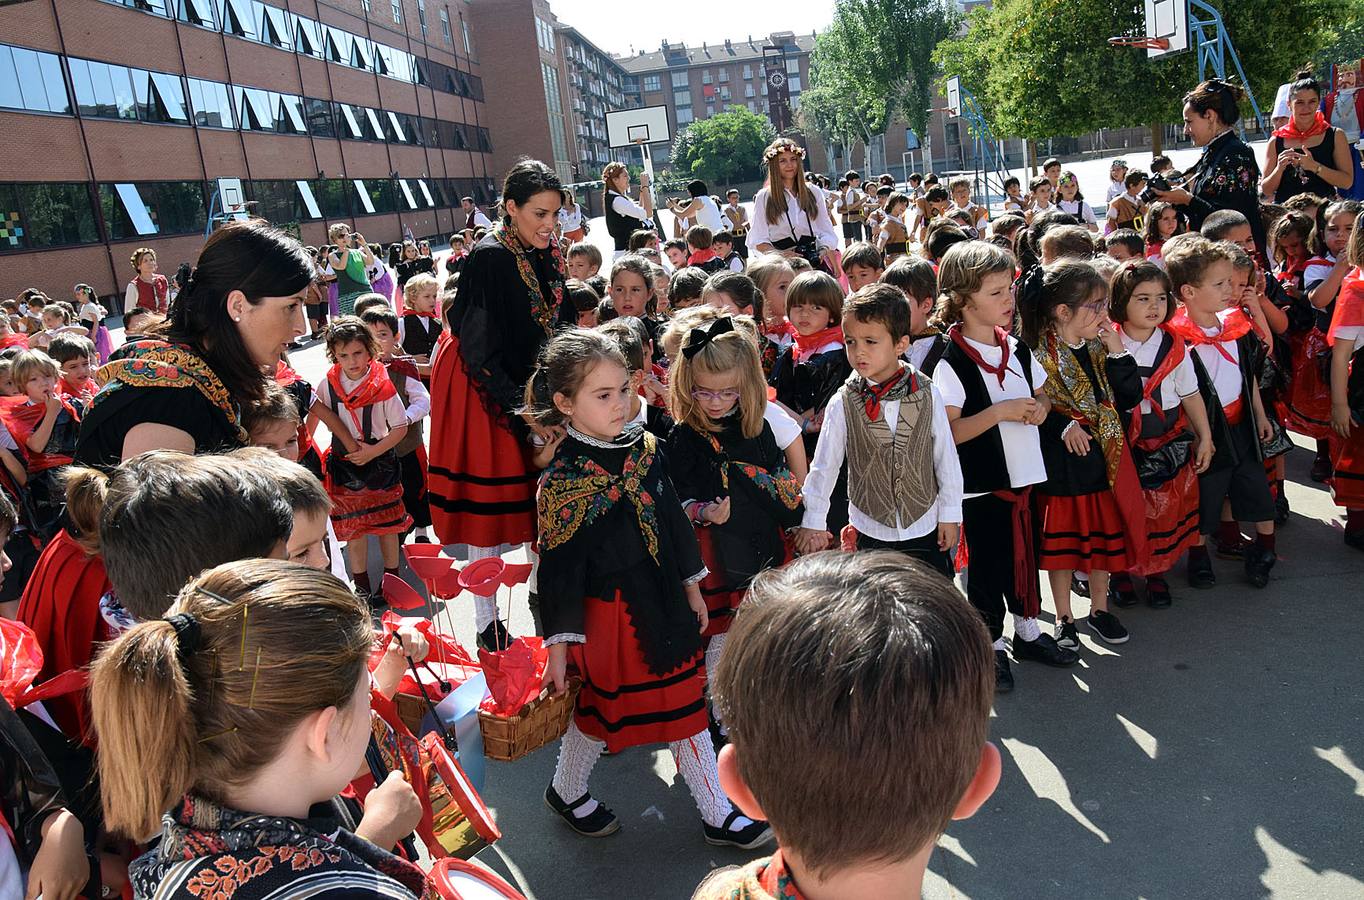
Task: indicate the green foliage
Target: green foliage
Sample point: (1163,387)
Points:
(725,148)
(1043,68)
(1346,43)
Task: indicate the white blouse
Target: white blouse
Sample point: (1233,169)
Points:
(821,226)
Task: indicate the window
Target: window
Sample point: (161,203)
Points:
(153,207)
(793,67)
(705,77)
(272,25)
(332,196)
(237,18)
(319,113)
(748,90)
(544,35)
(35,216)
(157,7)
(33,81)
(445,27)
(254,110)
(682,98)
(748,72)
(464,31)
(557,130)
(724,92)
(197,12)
(375,195)
(397,11)
(710,109)
(102,91)
(395,130)
(684,115)
(306,38)
(680,79)
(724,76)
(793,84)
(653,83)
(210,104)
(160,97)
(289,117)
(283,201)
(407,199)
(421,16)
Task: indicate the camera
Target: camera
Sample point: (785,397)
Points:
(1153,184)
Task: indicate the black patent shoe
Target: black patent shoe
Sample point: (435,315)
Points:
(749,837)
(1158,594)
(1004,676)
(1201,575)
(1123,595)
(495,637)
(599,823)
(1258,563)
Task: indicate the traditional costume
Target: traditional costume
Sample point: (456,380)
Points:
(762,879)
(775,339)
(419,334)
(411,449)
(806,375)
(1347,454)
(45,491)
(1298,179)
(298,387)
(896,236)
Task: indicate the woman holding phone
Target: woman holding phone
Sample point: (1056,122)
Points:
(351,261)
(1307,154)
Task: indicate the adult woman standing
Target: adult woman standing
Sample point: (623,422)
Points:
(1306,155)
(623,215)
(1226,175)
(351,262)
(572,223)
(241,309)
(412,263)
(481,483)
(701,208)
(147,290)
(790,216)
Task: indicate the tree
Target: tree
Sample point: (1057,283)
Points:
(724,149)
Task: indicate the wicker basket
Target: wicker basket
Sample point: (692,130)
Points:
(411,709)
(540,721)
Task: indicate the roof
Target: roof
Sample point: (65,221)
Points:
(586,40)
(720,53)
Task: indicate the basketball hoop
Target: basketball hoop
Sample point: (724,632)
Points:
(1140,42)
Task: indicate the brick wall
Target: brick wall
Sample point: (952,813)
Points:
(504,35)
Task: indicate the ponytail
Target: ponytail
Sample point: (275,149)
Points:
(86,492)
(1067,282)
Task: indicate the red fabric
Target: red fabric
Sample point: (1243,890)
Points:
(14,339)
(514,675)
(1025,553)
(285,374)
(700,256)
(1290,131)
(374,387)
(1171,517)
(1234,410)
(83,391)
(621,701)
(721,602)
(872,393)
(153,296)
(481,485)
(783,330)
(810,343)
(1103,530)
(61,605)
(22,419)
(1347,456)
(356,514)
(1307,402)
(1148,391)
(1349,312)
(1001,338)
(1234,322)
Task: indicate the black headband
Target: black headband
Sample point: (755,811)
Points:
(187,634)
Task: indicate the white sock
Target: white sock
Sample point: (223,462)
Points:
(1026,629)
(1082,577)
(713,650)
(578,753)
(999,644)
(695,758)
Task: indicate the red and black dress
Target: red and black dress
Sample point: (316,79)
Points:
(806,375)
(45,492)
(764,501)
(481,482)
(1347,454)
(616,550)
(1093,517)
(1307,400)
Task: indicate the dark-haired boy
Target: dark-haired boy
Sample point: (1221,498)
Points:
(582,261)
(880,779)
(685,287)
(723,244)
(700,244)
(851,207)
(919,282)
(1124,244)
(889,423)
(863,264)
(75,356)
(1125,208)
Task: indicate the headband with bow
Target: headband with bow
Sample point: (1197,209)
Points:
(698,338)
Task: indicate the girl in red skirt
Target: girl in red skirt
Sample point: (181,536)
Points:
(619,569)
(1346,337)
(1093,518)
(1310,400)
(727,468)
(358,402)
(1169,433)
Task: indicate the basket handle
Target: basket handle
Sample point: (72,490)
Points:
(447,735)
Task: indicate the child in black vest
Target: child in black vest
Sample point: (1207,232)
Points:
(420,327)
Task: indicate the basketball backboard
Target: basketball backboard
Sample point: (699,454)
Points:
(954,97)
(1167,19)
(631,127)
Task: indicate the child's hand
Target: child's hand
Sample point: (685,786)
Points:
(60,869)
(716,512)
(698,606)
(1203,451)
(654,390)
(1112,340)
(1020,410)
(544,454)
(1341,419)
(808,540)
(1264,429)
(362,455)
(948,533)
(1076,439)
(556,670)
(392,811)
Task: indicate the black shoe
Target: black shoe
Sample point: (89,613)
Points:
(495,637)
(1355,539)
(1106,627)
(1321,468)
(1258,563)
(1044,649)
(1123,596)
(1201,575)
(600,823)
(1158,594)
(421,539)
(1230,550)
(1004,676)
(1067,638)
(1281,508)
(1078,585)
(752,835)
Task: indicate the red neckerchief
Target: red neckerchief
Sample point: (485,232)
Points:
(1292,269)
(701,256)
(1290,132)
(428,315)
(375,387)
(783,329)
(1349,305)
(82,392)
(1235,323)
(872,393)
(285,374)
(810,343)
(1167,365)
(973,354)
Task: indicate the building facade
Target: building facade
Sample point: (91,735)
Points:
(124,115)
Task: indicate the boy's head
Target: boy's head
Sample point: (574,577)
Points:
(686,287)
(676,251)
(1161,164)
(369,301)
(1006,226)
(960,189)
(382,322)
(863,264)
(877,325)
(1134,180)
(307,544)
(1229,225)
(419,293)
(1012,186)
(641,238)
(902,732)
(919,283)
(35,374)
(351,345)
(584,301)
(272,422)
(883,195)
(1125,244)
(699,237)
(139,321)
(853,179)
(814,302)
(1200,272)
(941,234)
(73,354)
(938,199)
(1041,188)
(7,388)
(722,243)
(583,260)
(732,196)
(915,179)
(1051,169)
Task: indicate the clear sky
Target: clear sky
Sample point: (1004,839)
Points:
(616,28)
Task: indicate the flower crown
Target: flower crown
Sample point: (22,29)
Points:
(783,147)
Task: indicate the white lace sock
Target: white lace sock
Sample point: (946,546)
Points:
(578,753)
(1000,645)
(1026,629)
(713,650)
(695,759)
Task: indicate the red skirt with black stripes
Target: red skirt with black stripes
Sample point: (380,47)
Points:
(1171,521)
(480,483)
(1101,531)
(621,701)
(1347,480)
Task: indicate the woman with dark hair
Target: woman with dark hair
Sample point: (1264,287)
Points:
(624,216)
(1306,155)
(1226,175)
(184,391)
(482,483)
(701,209)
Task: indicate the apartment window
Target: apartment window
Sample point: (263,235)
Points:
(748,90)
(32,81)
(375,196)
(396,131)
(710,109)
(289,117)
(283,201)
(445,27)
(210,104)
(724,92)
(102,91)
(793,67)
(160,97)
(682,98)
(332,196)
(153,207)
(705,77)
(544,35)
(35,216)
(397,11)
(748,72)
(653,83)
(196,12)
(680,79)
(159,7)
(793,84)
(684,115)
(557,130)
(307,39)
(254,110)
(464,32)
(421,16)
(724,76)
(407,199)
(364,4)
(319,114)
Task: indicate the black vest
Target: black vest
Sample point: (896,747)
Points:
(417,341)
(983,466)
(619,225)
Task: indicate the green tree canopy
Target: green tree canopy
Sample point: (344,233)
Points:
(723,149)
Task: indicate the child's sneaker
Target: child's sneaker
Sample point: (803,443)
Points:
(1106,627)
(747,837)
(598,823)
(1067,637)
(1259,560)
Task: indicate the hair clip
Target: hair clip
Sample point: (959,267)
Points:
(241,661)
(205,740)
(255,677)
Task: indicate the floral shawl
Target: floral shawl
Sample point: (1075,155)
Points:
(1072,394)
